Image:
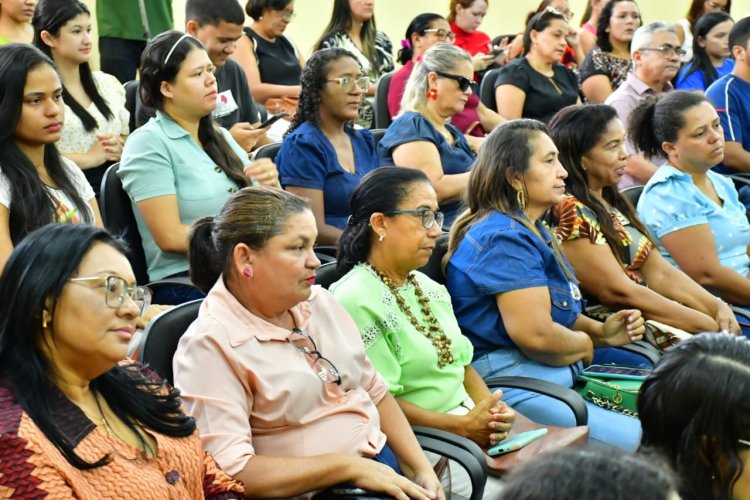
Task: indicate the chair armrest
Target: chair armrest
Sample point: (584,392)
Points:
(571,398)
(644,349)
(459,449)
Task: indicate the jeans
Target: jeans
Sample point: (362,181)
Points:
(120,57)
(604,426)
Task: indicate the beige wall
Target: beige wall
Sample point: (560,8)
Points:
(393,16)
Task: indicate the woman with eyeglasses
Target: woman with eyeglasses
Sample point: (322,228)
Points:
(273,370)
(695,411)
(422,136)
(77,418)
(405,318)
(423,32)
(271,60)
(515,295)
(685,27)
(536,85)
(712,56)
(323,157)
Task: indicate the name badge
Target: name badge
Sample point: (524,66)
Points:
(225,104)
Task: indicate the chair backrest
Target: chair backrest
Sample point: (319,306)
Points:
(118,218)
(382,115)
(377,134)
(267,151)
(487,89)
(131,89)
(633,193)
(434,266)
(162,334)
(327,275)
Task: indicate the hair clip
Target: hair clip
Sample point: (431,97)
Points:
(406,44)
(169,54)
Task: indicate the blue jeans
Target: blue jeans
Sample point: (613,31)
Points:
(604,426)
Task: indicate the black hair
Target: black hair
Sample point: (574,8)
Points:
(50,16)
(33,278)
(701,60)
(575,130)
(740,34)
(252,216)
(381,190)
(255,8)
(341,20)
(695,406)
(31,204)
(155,70)
(572,474)
(213,12)
(658,119)
(418,25)
(602,27)
(539,22)
(312,81)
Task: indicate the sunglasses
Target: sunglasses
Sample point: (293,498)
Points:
(463,83)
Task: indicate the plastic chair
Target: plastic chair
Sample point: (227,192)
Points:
(487,88)
(131,91)
(382,115)
(267,151)
(633,193)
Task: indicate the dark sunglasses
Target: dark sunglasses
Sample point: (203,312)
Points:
(463,83)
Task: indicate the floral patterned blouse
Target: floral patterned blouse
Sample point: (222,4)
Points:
(576,220)
(598,62)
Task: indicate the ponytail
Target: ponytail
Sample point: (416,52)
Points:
(202,254)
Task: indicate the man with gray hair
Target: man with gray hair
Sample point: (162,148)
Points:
(656,53)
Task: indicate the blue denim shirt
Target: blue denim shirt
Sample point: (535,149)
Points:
(497,255)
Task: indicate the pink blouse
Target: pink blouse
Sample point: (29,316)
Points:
(252,392)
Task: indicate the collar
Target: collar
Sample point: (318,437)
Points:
(457,30)
(641,87)
(170,127)
(222,306)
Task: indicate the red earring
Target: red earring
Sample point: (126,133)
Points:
(432,94)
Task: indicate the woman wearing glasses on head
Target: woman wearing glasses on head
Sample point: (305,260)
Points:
(78,420)
(273,370)
(422,137)
(323,157)
(685,27)
(423,32)
(271,60)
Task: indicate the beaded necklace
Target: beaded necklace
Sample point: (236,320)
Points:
(432,330)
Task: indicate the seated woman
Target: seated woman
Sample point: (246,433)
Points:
(465,17)
(180,166)
(271,60)
(352,27)
(96,119)
(536,85)
(422,136)
(514,294)
(405,319)
(323,157)
(607,65)
(606,243)
(37,185)
(711,54)
(15,21)
(423,32)
(695,409)
(685,27)
(273,370)
(693,214)
(77,419)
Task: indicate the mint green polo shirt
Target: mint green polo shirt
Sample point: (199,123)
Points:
(161,158)
(122,18)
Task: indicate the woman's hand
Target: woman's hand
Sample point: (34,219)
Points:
(502,57)
(111,145)
(481,61)
(623,327)
(488,422)
(726,319)
(374,476)
(263,172)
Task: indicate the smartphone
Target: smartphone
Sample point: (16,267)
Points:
(273,119)
(496,51)
(516,442)
(614,371)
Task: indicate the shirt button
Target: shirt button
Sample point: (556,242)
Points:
(172,477)
(565,303)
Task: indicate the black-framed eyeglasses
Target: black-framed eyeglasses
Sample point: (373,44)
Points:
(442,34)
(323,366)
(116,290)
(463,83)
(429,216)
(744,442)
(667,50)
(348,83)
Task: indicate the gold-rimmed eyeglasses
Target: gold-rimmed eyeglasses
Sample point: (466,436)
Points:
(348,83)
(117,290)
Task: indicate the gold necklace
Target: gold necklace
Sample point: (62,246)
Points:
(146,452)
(433,331)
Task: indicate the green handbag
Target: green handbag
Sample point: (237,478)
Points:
(618,395)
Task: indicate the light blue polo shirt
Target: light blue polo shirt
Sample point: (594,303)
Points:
(671,201)
(161,158)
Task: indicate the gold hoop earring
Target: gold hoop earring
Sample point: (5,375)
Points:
(521,199)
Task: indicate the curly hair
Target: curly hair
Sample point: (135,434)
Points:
(313,79)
